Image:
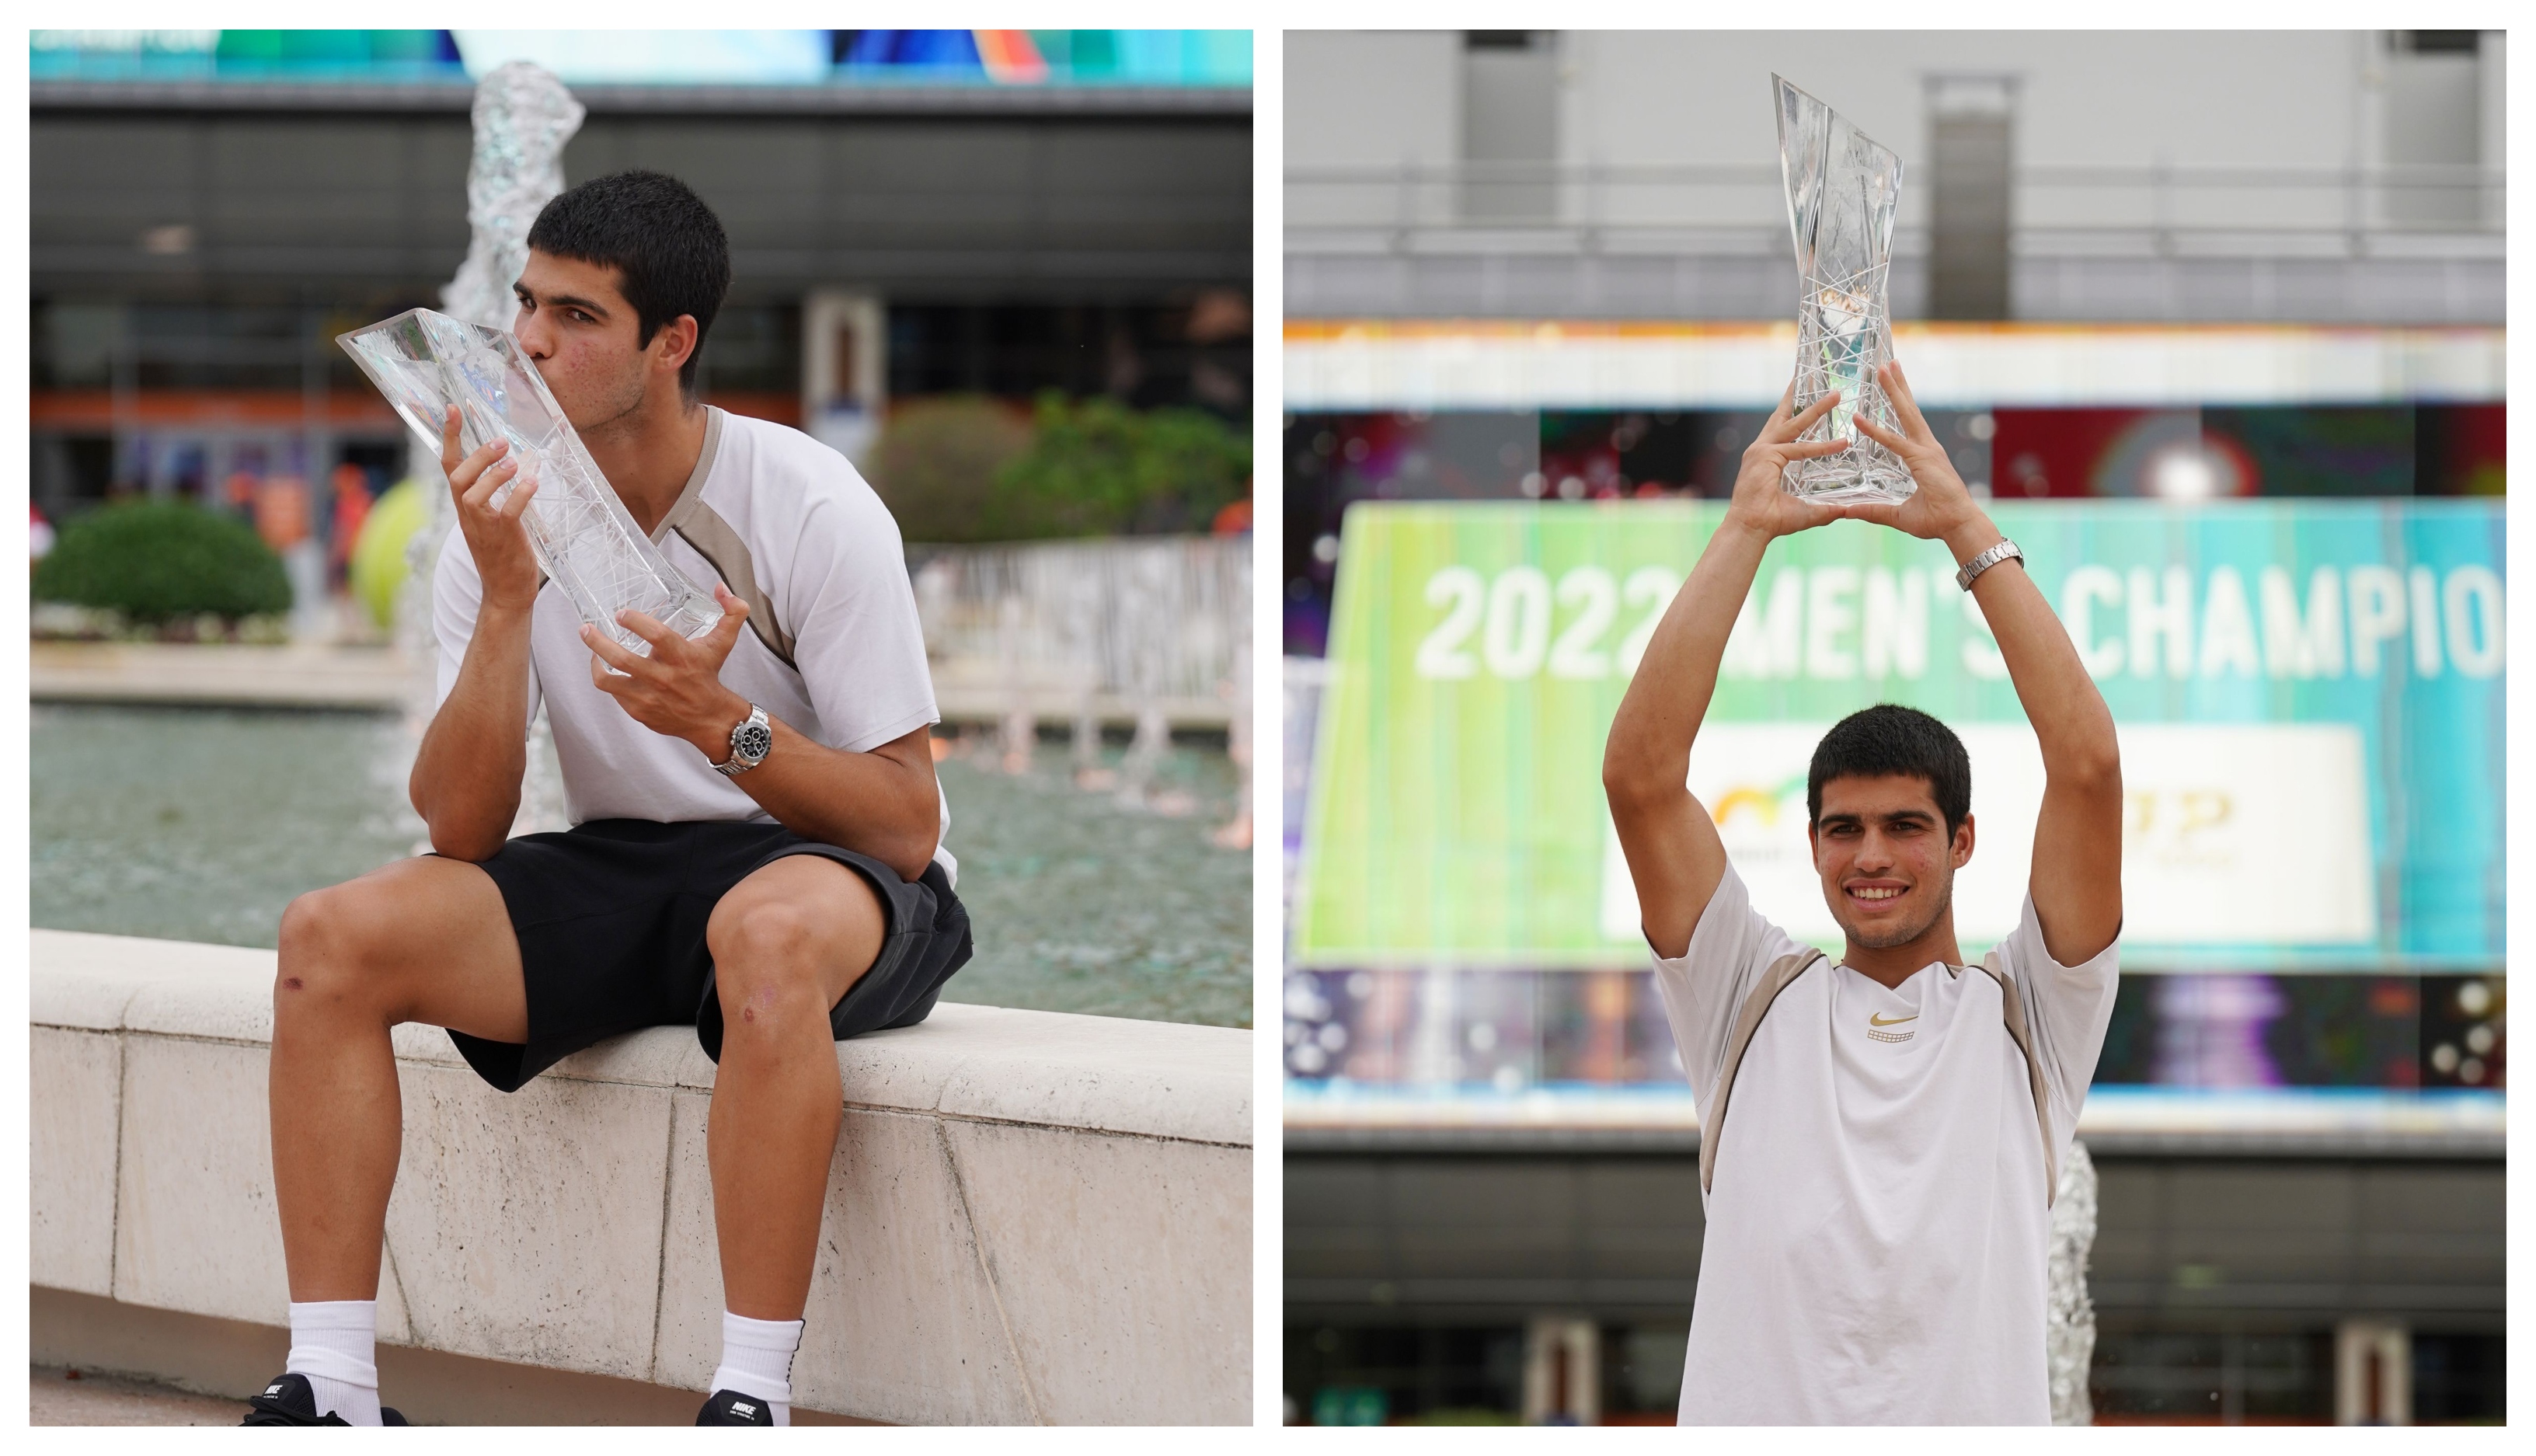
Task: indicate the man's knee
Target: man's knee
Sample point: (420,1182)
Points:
(764,947)
(324,952)
(771,951)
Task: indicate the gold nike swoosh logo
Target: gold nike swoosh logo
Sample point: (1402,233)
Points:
(1879,1018)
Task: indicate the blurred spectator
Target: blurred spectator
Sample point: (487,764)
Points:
(280,510)
(351,510)
(1235,518)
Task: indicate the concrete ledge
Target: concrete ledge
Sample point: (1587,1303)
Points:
(1032,1217)
(218,674)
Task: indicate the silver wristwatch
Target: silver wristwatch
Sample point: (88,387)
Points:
(1985,561)
(749,744)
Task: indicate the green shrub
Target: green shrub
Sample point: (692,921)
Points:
(1096,467)
(155,561)
(937,465)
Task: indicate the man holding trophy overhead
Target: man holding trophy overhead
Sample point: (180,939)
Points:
(1880,1136)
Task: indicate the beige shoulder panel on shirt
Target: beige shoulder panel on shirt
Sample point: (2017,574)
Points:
(1748,1020)
(2012,1008)
(701,527)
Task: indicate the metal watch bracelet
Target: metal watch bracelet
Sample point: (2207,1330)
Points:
(2005,548)
(750,742)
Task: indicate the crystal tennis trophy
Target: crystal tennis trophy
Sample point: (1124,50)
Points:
(424,362)
(1842,189)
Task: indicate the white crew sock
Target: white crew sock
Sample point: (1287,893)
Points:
(757,1360)
(335,1345)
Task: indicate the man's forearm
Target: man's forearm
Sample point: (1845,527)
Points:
(858,801)
(872,804)
(466,781)
(2072,723)
(1649,748)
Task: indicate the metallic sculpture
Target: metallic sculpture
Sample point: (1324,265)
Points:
(1842,190)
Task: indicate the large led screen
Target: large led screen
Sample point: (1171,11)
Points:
(2309,693)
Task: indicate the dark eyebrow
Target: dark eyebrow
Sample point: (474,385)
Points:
(561,300)
(1898,816)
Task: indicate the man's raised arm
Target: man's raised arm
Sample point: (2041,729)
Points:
(466,780)
(2078,875)
(1676,858)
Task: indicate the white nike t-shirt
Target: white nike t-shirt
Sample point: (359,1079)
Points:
(1877,1223)
(832,646)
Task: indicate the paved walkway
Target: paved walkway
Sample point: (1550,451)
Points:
(56,1397)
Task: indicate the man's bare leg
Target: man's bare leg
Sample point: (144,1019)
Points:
(425,939)
(787,943)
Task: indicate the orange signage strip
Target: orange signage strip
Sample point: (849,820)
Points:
(211,409)
(782,406)
(92,410)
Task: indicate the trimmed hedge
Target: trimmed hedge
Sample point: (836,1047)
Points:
(157,561)
(937,465)
(964,468)
(1096,467)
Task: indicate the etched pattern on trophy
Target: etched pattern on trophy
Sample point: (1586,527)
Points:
(1842,190)
(589,545)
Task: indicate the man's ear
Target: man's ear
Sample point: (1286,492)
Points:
(1963,846)
(677,342)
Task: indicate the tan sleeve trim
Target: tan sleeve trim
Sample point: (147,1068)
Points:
(2012,1010)
(1748,1020)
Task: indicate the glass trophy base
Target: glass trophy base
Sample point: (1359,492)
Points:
(425,362)
(1876,484)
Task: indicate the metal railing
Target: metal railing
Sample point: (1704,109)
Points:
(2144,210)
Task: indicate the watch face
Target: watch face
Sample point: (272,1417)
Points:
(751,740)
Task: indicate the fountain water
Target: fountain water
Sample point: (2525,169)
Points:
(2069,1314)
(1153,629)
(523,117)
(1235,835)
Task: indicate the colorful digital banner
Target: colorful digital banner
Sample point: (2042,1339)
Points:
(1140,58)
(2309,693)
(1446,366)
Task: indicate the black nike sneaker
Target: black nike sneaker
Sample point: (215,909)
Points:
(730,1408)
(288,1401)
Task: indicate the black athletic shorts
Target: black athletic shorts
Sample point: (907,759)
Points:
(611,917)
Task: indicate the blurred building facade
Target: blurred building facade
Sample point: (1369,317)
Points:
(2182,269)
(973,214)
(2307,176)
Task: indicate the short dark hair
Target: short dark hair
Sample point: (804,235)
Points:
(662,240)
(1889,739)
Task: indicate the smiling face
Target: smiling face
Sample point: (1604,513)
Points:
(1888,863)
(585,340)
